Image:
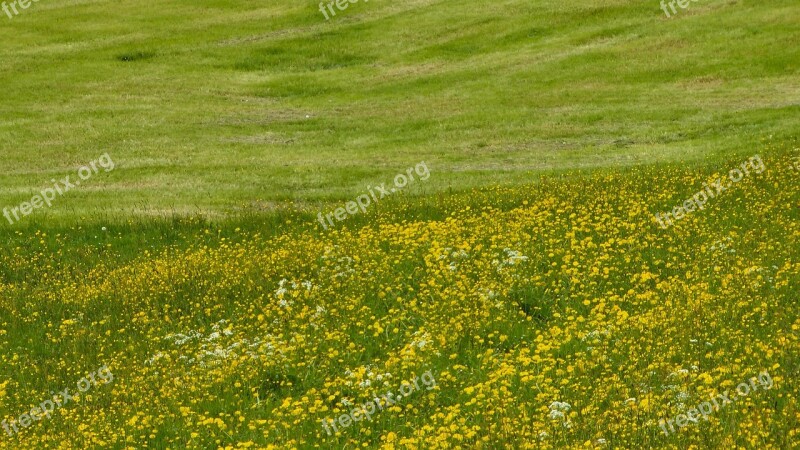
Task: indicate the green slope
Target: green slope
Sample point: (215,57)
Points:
(219,106)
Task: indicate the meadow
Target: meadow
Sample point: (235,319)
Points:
(229,107)
(563,292)
(521,293)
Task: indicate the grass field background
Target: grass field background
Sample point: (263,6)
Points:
(527,274)
(225,106)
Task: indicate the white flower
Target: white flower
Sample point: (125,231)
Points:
(155,358)
(560,406)
(514,256)
(591,334)
(542,435)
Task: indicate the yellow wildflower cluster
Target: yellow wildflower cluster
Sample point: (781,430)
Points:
(556,315)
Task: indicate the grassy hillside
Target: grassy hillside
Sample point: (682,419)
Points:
(224,106)
(600,238)
(549,316)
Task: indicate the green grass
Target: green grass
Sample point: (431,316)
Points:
(223,107)
(613,304)
(552,128)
